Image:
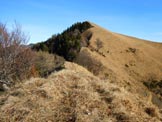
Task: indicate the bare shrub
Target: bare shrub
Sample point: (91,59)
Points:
(93,65)
(46,63)
(15,57)
(99,44)
(150,111)
(122,117)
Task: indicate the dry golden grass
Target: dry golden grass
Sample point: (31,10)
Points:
(73,95)
(126,61)
(124,55)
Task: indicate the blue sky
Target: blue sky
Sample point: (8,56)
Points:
(43,18)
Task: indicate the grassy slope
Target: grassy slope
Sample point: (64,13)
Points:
(144,62)
(74,94)
(126,61)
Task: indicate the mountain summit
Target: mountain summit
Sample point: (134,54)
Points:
(122,55)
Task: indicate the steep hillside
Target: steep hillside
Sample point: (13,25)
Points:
(121,55)
(126,86)
(138,58)
(128,61)
(75,95)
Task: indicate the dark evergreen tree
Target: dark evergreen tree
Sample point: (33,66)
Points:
(66,44)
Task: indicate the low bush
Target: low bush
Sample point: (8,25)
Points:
(15,58)
(46,63)
(150,111)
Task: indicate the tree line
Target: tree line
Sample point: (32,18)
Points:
(67,44)
(18,61)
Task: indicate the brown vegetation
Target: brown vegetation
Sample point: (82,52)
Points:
(114,94)
(15,58)
(19,62)
(99,44)
(74,94)
(46,63)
